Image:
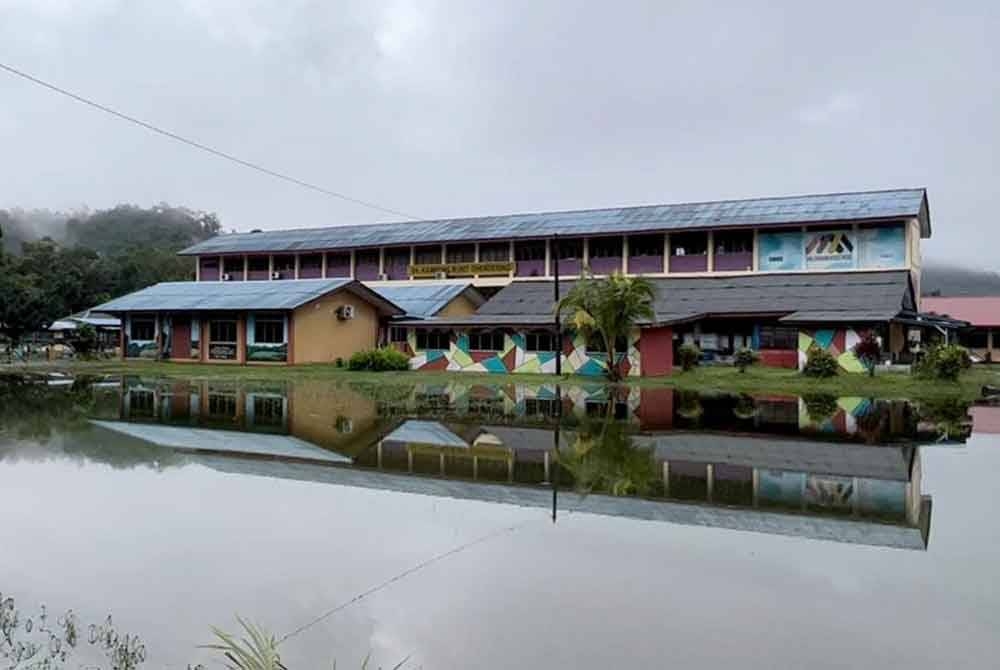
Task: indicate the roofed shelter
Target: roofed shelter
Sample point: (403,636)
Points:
(301,321)
(983,315)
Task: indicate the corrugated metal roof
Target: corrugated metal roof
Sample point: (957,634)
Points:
(858,296)
(221,296)
(417,431)
(979,311)
(853,316)
(426,300)
(858,206)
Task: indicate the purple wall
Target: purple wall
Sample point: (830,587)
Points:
(568,266)
(530,269)
(693,263)
(645,264)
(338,265)
(257,275)
(603,266)
(208,269)
(307,272)
(397,270)
(233,266)
(737,262)
(367,272)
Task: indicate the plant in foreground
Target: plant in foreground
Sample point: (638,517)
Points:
(820,363)
(744,358)
(689,356)
(868,350)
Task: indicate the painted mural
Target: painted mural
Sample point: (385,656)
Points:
(515,358)
(838,342)
(869,248)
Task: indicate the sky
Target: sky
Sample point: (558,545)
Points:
(441,109)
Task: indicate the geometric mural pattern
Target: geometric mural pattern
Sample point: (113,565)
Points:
(838,342)
(514,358)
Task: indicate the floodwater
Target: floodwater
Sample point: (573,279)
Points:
(504,526)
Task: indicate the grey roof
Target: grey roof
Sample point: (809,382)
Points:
(426,300)
(256,295)
(854,316)
(223,441)
(830,296)
(416,431)
(834,207)
(776,453)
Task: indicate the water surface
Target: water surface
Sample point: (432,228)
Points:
(569,526)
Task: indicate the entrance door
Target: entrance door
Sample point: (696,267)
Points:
(181,337)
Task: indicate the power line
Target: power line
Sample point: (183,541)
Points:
(199,145)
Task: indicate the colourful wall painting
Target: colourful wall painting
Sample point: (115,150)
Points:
(838,342)
(514,358)
(780,251)
(845,249)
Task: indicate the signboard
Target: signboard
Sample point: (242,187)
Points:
(883,247)
(830,250)
(461,269)
(780,251)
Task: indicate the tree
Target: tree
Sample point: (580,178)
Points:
(608,309)
(744,358)
(84,340)
(868,351)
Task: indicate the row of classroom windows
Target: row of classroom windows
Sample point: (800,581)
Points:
(645,251)
(267,330)
(769,337)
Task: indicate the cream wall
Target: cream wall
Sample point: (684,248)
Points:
(913,239)
(318,336)
(460,306)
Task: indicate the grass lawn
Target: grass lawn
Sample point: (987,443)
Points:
(757,380)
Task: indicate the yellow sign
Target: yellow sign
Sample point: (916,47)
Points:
(461,269)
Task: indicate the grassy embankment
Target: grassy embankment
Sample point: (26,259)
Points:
(758,380)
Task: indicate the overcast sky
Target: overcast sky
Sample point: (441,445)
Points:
(464,108)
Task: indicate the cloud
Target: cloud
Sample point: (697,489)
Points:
(837,108)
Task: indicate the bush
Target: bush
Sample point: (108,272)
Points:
(689,356)
(379,360)
(820,363)
(820,406)
(744,358)
(868,350)
(945,362)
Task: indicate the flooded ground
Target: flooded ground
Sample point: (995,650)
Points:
(506,526)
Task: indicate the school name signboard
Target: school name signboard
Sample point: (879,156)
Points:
(461,269)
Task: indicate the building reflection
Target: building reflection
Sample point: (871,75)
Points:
(845,469)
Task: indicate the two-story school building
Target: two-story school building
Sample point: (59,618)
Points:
(775,274)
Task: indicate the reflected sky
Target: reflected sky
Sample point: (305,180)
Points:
(173,539)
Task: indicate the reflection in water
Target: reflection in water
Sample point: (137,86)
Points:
(845,469)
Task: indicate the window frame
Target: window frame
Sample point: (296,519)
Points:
(144,321)
(768,337)
(638,244)
(682,241)
(533,337)
(269,322)
(486,340)
(529,250)
(214,323)
(431,336)
(602,247)
(463,253)
(486,248)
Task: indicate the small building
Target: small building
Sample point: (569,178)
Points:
(779,316)
(108,327)
(301,321)
(424,301)
(982,337)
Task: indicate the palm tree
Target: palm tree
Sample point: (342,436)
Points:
(610,309)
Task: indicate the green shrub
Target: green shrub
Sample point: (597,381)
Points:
(689,356)
(820,406)
(744,358)
(379,360)
(945,362)
(339,362)
(820,363)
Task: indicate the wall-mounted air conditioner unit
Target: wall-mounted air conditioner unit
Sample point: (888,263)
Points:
(383,276)
(275,275)
(227,277)
(441,275)
(345,312)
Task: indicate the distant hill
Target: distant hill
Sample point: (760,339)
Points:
(951,280)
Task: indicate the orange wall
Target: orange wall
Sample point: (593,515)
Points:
(318,336)
(460,306)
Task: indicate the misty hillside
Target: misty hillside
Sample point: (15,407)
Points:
(949,280)
(110,231)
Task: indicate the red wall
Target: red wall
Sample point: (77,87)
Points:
(656,352)
(779,358)
(656,408)
(181,344)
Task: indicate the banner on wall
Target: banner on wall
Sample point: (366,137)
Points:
(830,250)
(883,247)
(780,251)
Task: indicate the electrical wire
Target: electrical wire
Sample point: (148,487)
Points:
(202,147)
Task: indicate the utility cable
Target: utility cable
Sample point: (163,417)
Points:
(200,146)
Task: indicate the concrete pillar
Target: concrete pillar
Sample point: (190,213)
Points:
(666,478)
(756,251)
(323,265)
(298,259)
(548,258)
(246,267)
(378,455)
(756,487)
(624,254)
(510,259)
(354,261)
(270,266)
(710,476)
(585,261)
(444,254)
(381,261)
(197,268)
(710,264)
(666,252)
